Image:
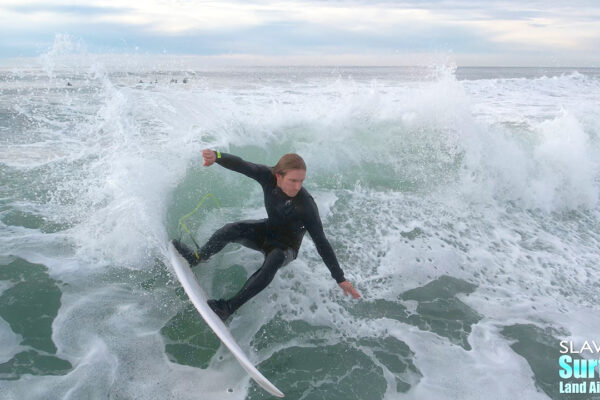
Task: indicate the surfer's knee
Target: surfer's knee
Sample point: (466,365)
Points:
(281,257)
(276,257)
(227,231)
(277,254)
(232,226)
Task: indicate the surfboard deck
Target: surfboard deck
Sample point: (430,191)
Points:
(198,297)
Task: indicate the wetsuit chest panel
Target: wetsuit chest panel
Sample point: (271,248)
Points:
(285,215)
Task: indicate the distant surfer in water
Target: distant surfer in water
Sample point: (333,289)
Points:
(291,212)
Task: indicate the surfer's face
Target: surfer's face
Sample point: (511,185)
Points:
(291,182)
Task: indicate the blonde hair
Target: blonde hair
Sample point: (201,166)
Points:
(287,163)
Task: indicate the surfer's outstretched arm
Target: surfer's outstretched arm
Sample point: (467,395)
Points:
(314,227)
(258,172)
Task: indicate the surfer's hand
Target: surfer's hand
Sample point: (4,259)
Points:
(349,289)
(209,157)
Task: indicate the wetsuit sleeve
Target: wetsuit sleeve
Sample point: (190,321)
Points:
(312,222)
(258,172)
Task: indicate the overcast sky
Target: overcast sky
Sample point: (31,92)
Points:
(529,33)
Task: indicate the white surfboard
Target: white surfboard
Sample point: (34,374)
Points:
(199,299)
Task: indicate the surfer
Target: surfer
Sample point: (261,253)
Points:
(291,212)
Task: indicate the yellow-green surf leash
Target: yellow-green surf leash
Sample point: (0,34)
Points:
(186,229)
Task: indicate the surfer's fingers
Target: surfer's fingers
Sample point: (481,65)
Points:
(207,153)
(352,290)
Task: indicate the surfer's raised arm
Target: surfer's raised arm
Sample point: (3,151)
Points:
(255,171)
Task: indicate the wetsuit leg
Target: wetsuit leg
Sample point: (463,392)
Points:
(274,259)
(250,233)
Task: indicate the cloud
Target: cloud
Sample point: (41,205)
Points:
(308,27)
(65,9)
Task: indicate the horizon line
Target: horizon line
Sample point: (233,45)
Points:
(241,64)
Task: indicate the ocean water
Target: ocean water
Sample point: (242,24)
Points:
(463,203)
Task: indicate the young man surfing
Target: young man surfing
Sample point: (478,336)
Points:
(291,212)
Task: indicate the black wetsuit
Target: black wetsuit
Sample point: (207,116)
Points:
(279,236)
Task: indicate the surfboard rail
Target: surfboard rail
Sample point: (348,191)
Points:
(199,298)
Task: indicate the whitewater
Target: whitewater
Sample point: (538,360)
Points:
(463,203)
